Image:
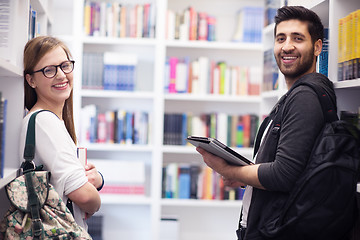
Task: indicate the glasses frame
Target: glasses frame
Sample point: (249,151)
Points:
(56,68)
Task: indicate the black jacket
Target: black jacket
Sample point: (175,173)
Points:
(285,149)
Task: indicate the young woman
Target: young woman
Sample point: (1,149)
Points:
(48,85)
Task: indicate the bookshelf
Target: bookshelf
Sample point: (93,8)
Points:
(11,79)
(138,217)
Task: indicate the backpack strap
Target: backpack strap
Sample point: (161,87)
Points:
(28,166)
(328,106)
(29,150)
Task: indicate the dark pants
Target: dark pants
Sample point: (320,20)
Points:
(241,233)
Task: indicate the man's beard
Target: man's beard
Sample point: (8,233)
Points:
(299,69)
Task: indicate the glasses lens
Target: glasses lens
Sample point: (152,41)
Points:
(67,67)
(50,71)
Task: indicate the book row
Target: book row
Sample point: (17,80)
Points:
(271,6)
(232,130)
(109,71)
(123,177)
(190,25)
(270,72)
(113,19)
(205,76)
(250,23)
(118,126)
(195,182)
(349,47)
(3,107)
(34,26)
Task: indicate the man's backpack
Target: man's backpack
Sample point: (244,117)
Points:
(323,203)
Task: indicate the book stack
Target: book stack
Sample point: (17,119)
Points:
(114,19)
(204,76)
(232,130)
(93,70)
(271,7)
(119,71)
(182,181)
(5,26)
(250,22)
(33,24)
(118,126)
(190,25)
(349,47)
(323,61)
(95,226)
(122,177)
(271,72)
(109,71)
(3,106)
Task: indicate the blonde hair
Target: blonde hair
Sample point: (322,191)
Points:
(34,50)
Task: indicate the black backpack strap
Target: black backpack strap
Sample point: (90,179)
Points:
(272,116)
(29,150)
(327,104)
(29,166)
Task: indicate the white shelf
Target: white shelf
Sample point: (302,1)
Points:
(273,94)
(201,203)
(124,199)
(215,45)
(211,98)
(41,7)
(192,150)
(8,69)
(117,147)
(9,175)
(355,83)
(116,94)
(120,41)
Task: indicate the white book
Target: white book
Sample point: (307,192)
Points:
(181,77)
(170,25)
(204,75)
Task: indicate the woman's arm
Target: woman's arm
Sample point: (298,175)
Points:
(87,198)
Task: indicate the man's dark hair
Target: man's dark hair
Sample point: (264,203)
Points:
(315,27)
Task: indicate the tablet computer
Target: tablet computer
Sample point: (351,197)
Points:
(219,149)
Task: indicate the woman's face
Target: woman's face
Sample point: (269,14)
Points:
(55,90)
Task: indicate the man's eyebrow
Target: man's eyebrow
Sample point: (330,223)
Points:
(293,34)
(298,34)
(280,34)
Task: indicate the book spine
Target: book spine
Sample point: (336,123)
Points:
(3,113)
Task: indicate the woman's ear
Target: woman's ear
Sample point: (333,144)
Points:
(30,80)
(318,47)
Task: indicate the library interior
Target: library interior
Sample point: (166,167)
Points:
(150,73)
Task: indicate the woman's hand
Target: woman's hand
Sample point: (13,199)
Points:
(93,175)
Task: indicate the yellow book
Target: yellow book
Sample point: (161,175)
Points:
(208,184)
(340,49)
(87,16)
(351,48)
(357,43)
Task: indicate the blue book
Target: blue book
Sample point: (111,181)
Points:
(184,182)
(129,128)
(324,55)
(184,129)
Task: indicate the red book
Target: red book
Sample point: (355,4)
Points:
(172,84)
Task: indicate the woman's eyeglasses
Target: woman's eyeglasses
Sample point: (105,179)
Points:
(51,71)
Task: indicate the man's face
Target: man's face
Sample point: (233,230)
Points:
(294,51)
